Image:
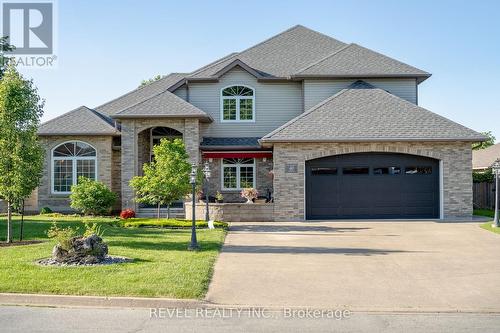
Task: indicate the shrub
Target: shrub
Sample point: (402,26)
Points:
(483,177)
(62,235)
(127,214)
(92,229)
(45,210)
(91,197)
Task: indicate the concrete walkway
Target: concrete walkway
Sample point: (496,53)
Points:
(363,266)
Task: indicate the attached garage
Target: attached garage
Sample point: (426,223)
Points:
(372,185)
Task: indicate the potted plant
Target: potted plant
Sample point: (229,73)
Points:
(250,194)
(219,198)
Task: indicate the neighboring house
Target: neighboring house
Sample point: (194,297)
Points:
(482,159)
(338,125)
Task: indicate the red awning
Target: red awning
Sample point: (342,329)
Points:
(236,154)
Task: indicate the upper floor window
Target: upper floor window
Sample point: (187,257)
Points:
(238,104)
(70,161)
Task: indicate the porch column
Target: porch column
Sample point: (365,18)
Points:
(129,162)
(192,139)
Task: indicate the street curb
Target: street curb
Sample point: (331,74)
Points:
(70,301)
(97,301)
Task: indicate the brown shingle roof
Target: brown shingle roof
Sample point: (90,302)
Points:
(365,113)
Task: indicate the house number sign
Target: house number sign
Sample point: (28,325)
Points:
(291,168)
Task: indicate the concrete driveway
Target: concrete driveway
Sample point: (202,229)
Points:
(363,266)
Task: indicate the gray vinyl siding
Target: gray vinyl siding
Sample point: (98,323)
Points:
(316,91)
(275,104)
(181,92)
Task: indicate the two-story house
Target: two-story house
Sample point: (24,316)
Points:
(332,130)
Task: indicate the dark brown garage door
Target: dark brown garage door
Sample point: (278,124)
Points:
(372,185)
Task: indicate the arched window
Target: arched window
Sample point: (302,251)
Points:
(158,133)
(71,160)
(237,104)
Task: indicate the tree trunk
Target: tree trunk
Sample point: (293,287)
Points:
(168,211)
(158,211)
(9,222)
(22,222)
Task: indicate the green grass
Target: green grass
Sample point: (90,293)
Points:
(487,213)
(487,226)
(484,212)
(162,267)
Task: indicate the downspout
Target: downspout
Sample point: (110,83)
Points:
(187,91)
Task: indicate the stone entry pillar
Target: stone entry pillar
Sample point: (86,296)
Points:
(129,162)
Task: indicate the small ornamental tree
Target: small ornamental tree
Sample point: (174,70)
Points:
(4,47)
(21,155)
(91,197)
(166,178)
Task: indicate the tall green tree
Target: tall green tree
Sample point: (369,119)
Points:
(166,178)
(485,144)
(4,47)
(21,155)
(153,79)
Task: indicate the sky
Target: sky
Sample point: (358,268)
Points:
(105,48)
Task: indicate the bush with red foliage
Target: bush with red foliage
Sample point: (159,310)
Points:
(127,214)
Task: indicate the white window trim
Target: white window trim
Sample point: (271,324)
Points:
(73,160)
(238,173)
(237,98)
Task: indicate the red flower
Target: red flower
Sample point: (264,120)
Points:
(127,214)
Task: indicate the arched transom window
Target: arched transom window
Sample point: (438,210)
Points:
(71,160)
(238,104)
(158,133)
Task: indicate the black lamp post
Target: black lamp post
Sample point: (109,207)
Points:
(192,180)
(496,170)
(207,173)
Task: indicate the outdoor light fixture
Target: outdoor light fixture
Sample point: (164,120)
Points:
(207,173)
(496,170)
(192,181)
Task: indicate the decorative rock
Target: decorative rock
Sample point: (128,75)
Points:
(83,251)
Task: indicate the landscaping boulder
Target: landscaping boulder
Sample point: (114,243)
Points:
(82,251)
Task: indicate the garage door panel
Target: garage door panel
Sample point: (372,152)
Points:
(387,191)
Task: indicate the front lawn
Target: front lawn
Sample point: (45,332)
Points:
(162,267)
(488,227)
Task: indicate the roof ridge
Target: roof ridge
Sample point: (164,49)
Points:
(156,95)
(263,42)
(305,113)
(394,59)
(64,114)
(420,108)
(213,63)
(324,58)
(138,89)
(101,117)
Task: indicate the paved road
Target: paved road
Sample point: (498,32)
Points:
(36,319)
(364,266)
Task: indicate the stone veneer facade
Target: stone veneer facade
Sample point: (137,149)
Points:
(455,173)
(107,168)
(263,180)
(116,167)
(134,150)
